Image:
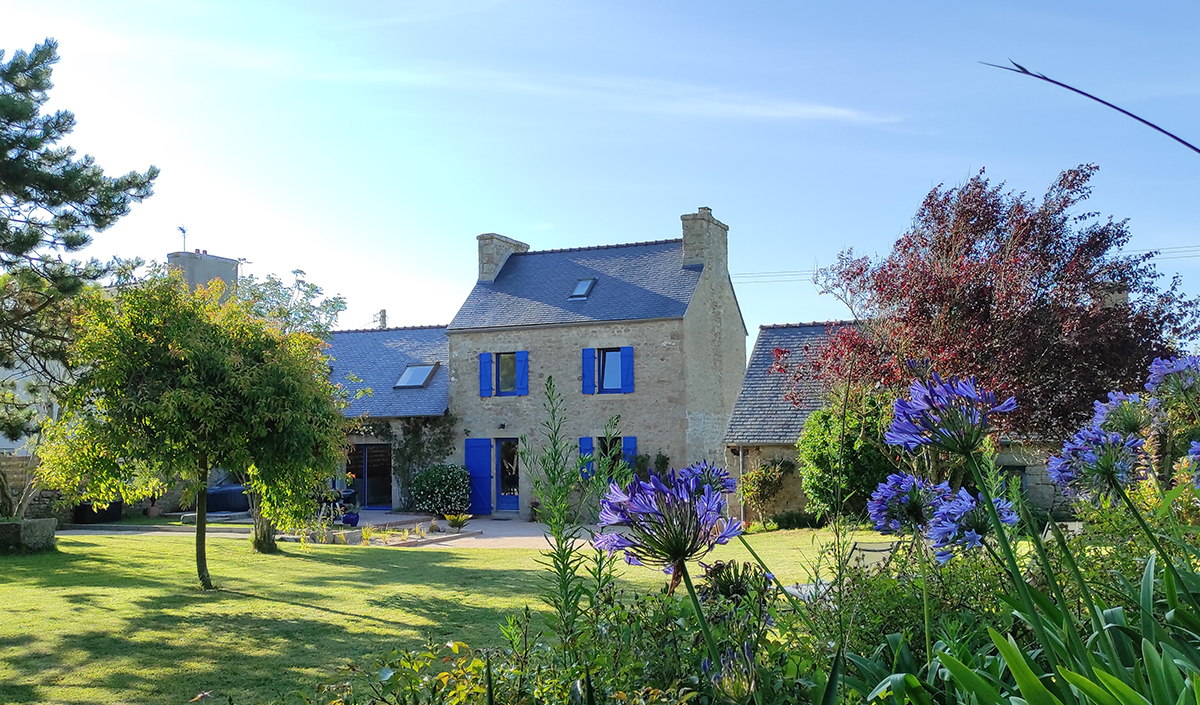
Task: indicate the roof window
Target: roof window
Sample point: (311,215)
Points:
(583,287)
(415,376)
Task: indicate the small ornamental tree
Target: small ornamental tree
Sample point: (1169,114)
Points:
(176,383)
(832,440)
(1032,298)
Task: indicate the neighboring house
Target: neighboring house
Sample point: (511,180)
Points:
(650,331)
(406,370)
(764,425)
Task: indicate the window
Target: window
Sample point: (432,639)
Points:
(583,287)
(504,374)
(415,376)
(608,370)
(624,447)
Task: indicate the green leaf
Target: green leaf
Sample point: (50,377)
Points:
(830,694)
(971,681)
(1088,688)
(1159,690)
(1147,597)
(1169,499)
(1030,686)
(1125,694)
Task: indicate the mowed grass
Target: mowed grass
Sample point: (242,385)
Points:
(117,619)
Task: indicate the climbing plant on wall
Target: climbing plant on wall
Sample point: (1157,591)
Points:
(417,443)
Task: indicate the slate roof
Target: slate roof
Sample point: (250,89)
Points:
(761,416)
(379,356)
(642,280)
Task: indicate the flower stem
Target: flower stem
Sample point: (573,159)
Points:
(919,544)
(1166,559)
(1010,557)
(708,637)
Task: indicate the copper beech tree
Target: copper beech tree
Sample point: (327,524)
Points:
(175,383)
(1035,299)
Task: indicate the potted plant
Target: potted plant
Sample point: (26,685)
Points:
(350,515)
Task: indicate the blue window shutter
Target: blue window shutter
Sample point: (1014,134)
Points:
(629,448)
(479,466)
(585,448)
(522,373)
(485,374)
(589,370)
(626,370)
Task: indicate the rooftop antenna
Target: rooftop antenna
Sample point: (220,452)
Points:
(183,231)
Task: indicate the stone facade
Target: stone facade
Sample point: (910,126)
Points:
(791,497)
(687,371)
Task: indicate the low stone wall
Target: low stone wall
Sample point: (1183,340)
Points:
(30,535)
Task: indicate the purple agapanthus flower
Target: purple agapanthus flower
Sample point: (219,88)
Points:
(1126,413)
(1175,375)
(961,522)
(1194,455)
(951,414)
(713,475)
(905,504)
(1096,461)
(668,520)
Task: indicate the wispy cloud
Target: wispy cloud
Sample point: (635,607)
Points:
(627,94)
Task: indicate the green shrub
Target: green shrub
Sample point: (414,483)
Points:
(662,463)
(760,484)
(441,490)
(868,417)
(798,519)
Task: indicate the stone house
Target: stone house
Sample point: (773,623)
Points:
(764,426)
(407,371)
(651,331)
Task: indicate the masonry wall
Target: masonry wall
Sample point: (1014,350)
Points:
(654,412)
(715,341)
(745,458)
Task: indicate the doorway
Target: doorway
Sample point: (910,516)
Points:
(371,464)
(508,475)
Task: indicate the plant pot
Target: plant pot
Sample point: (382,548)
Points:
(350,519)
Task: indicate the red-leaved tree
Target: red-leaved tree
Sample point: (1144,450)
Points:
(1034,299)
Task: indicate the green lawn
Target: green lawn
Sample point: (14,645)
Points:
(115,619)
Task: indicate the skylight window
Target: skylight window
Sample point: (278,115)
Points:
(415,376)
(583,287)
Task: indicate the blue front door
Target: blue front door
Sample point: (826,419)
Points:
(508,475)
(479,465)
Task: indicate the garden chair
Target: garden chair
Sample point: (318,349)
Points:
(863,555)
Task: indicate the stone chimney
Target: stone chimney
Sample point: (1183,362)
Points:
(493,253)
(705,241)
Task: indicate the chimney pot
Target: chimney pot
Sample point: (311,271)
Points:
(197,250)
(204,252)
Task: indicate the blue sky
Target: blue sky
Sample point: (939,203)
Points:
(368,143)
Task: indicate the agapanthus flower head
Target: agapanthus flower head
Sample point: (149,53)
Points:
(905,504)
(1095,461)
(1176,375)
(952,414)
(1193,457)
(667,521)
(961,523)
(733,678)
(1125,413)
(713,475)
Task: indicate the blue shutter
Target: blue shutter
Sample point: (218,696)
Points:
(589,370)
(479,465)
(629,448)
(485,374)
(585,448)
(626,370)
(522,373)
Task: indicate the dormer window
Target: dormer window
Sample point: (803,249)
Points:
(583,287)
(415,376)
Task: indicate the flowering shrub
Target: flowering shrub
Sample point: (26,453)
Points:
(441,490)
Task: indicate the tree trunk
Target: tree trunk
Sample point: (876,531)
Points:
(6,500)
(201,522)
(263,538)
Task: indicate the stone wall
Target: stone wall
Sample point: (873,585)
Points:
(791,494)
(654,413)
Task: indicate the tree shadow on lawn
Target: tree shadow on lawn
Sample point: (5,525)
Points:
(58,569)
(167,653)
(445,570)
